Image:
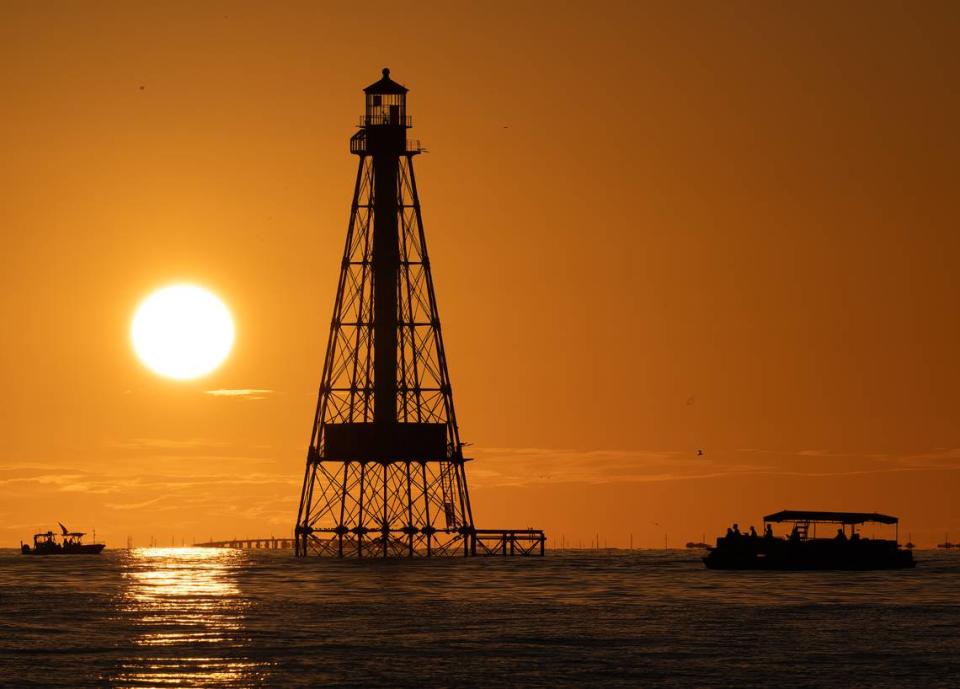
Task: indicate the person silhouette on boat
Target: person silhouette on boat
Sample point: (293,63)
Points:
(733,534)
(753,532)
(768,531)
(841,536)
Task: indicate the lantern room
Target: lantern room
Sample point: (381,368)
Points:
(386,103)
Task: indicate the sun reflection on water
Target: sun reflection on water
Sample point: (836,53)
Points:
(188,612)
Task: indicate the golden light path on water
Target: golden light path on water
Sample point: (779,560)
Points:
(188,614)
(231,619)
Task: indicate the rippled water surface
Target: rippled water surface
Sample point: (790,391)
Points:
(191,617)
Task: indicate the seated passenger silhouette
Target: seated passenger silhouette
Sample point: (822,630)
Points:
(841,536)
(768,531)
(753,532)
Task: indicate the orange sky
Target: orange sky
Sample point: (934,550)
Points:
(653,228)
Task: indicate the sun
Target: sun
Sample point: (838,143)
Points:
(182,331)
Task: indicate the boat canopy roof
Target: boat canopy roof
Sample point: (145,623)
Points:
(830,517)
(67,533)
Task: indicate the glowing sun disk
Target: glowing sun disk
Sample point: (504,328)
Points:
(182,332)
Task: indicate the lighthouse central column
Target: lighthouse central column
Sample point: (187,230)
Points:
(386,267)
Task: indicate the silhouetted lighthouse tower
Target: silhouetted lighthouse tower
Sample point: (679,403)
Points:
(385,468)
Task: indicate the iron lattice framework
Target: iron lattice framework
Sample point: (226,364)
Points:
(385,468)
(399,504)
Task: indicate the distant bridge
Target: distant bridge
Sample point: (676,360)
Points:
(250,544)
(479,542)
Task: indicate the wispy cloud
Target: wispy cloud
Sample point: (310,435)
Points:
(242,393)
(134,505)
(517,467)
(61,481)
(501,467)
(167,491)
(149,498)
(165,443)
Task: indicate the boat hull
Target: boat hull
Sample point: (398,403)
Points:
(84,549)
(763,554)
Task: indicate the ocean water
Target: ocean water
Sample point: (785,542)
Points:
(192,617)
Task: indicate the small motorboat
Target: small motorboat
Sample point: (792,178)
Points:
(66,543)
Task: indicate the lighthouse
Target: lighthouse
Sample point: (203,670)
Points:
(385,473)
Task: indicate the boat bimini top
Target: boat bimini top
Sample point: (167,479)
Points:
(829,517)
